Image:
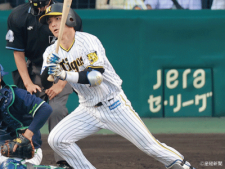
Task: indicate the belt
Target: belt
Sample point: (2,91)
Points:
(100,103)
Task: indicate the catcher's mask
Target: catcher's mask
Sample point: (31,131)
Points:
(56,10)
(36,5)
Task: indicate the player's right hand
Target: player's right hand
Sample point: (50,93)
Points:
(57,71)
(32,88)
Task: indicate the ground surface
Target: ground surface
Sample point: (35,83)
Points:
(204,151)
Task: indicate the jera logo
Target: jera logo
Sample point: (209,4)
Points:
(182,89)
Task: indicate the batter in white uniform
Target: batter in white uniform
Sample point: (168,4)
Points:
(103,105)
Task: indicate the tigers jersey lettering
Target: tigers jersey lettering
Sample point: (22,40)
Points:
(86,51)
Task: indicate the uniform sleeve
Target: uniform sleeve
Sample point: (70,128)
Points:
(29,104)
(41,116)
(93,52)
(31,107)
(14,35)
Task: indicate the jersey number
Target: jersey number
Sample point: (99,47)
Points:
(9,36)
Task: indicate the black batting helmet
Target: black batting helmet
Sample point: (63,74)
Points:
(37,4)
(56,9)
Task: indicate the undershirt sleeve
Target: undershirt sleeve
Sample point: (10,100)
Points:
(40,117)
(81,77)
(14,35)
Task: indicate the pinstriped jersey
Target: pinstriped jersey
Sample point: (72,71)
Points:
(85,51)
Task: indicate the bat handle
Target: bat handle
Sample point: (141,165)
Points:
(50,78)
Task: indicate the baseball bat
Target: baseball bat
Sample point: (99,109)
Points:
(65,12)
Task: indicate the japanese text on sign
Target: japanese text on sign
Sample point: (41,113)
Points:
(172,82)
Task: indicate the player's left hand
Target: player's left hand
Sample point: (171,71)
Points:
(53,58)
(21,141)
(20,147)
(57,71)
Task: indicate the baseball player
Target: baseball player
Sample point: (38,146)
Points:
(28,39)
(82,62)
(21,116)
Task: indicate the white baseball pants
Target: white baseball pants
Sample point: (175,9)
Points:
(116,115)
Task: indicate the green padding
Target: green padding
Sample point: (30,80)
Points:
(138,43)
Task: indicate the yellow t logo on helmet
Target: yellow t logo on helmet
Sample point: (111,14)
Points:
(48,9)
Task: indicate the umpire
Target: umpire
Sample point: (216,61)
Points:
(28,39)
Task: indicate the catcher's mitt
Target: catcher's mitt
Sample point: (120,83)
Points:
(25,149)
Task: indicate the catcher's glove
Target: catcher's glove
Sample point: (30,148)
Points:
(24,150)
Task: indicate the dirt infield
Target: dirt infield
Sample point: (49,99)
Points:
(204,151)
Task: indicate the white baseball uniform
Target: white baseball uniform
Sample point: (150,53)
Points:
(115,113)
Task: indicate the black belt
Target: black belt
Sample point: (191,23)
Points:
(100,103)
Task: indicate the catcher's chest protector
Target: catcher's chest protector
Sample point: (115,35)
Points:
(7,98)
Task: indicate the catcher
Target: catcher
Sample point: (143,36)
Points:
(21,117)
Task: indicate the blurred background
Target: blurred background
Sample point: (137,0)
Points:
(131,4)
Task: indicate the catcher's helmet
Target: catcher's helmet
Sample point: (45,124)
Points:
(56,9)
(37,4)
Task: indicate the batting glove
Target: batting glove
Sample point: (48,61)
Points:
(53,58)
(57,71)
